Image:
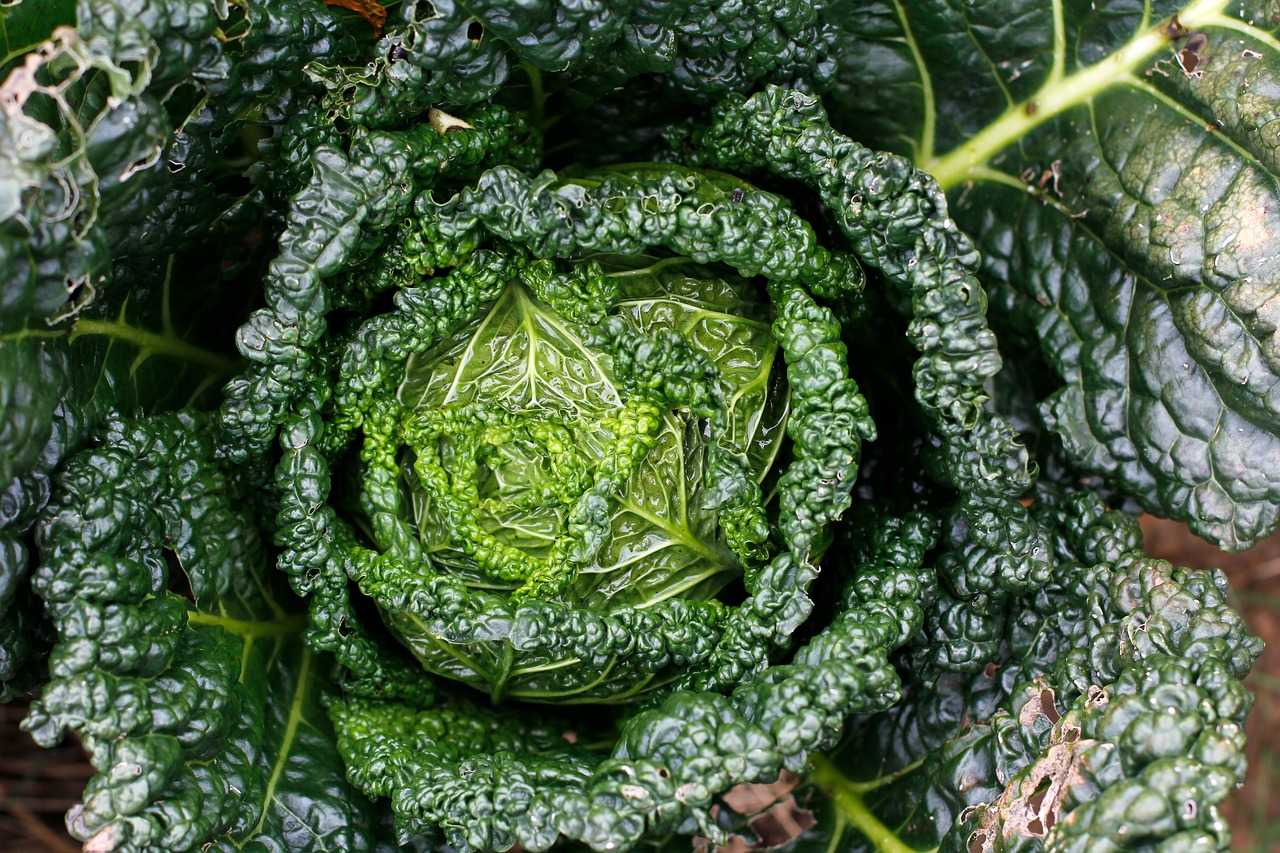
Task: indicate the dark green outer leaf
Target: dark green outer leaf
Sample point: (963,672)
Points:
(201,714)
(36,379)
(122,354)
(303,801)
(1117,718)
(1131,210)
(81,334)
(463,53)
(27,24)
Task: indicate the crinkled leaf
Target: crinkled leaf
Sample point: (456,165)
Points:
(122,271)
(448,52)
(522,356)
(1115,687)
(179,660)
(1116,165)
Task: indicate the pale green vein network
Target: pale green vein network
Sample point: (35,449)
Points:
(996,76)
(24,333)
(546,667)
(241,628)
(290,733)
(166,343)
(928,128)
(1226,22)
(152,344)
(9,51)
(678,535)
(852,811)
(1172,105)
(451,649)
(995,176)
(1059,44)
(1058,95)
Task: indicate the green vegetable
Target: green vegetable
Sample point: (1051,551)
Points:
(201,712)
(1113,721)
(525,424)
(1124,209)
(597,466)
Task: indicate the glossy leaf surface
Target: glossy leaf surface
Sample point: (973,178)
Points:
(1122,187)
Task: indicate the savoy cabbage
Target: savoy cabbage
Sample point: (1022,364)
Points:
(516,425)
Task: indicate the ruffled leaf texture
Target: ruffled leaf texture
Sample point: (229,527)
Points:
(1127,217)
(988,666)
(452,54)
(1110,714)
(101,200)
(180,663)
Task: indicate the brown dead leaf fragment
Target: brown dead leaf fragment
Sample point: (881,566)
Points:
(370,10)
(1031,802)
(1191,57)
(1029,806)
(776,818)
(781,824)
(1174,29)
